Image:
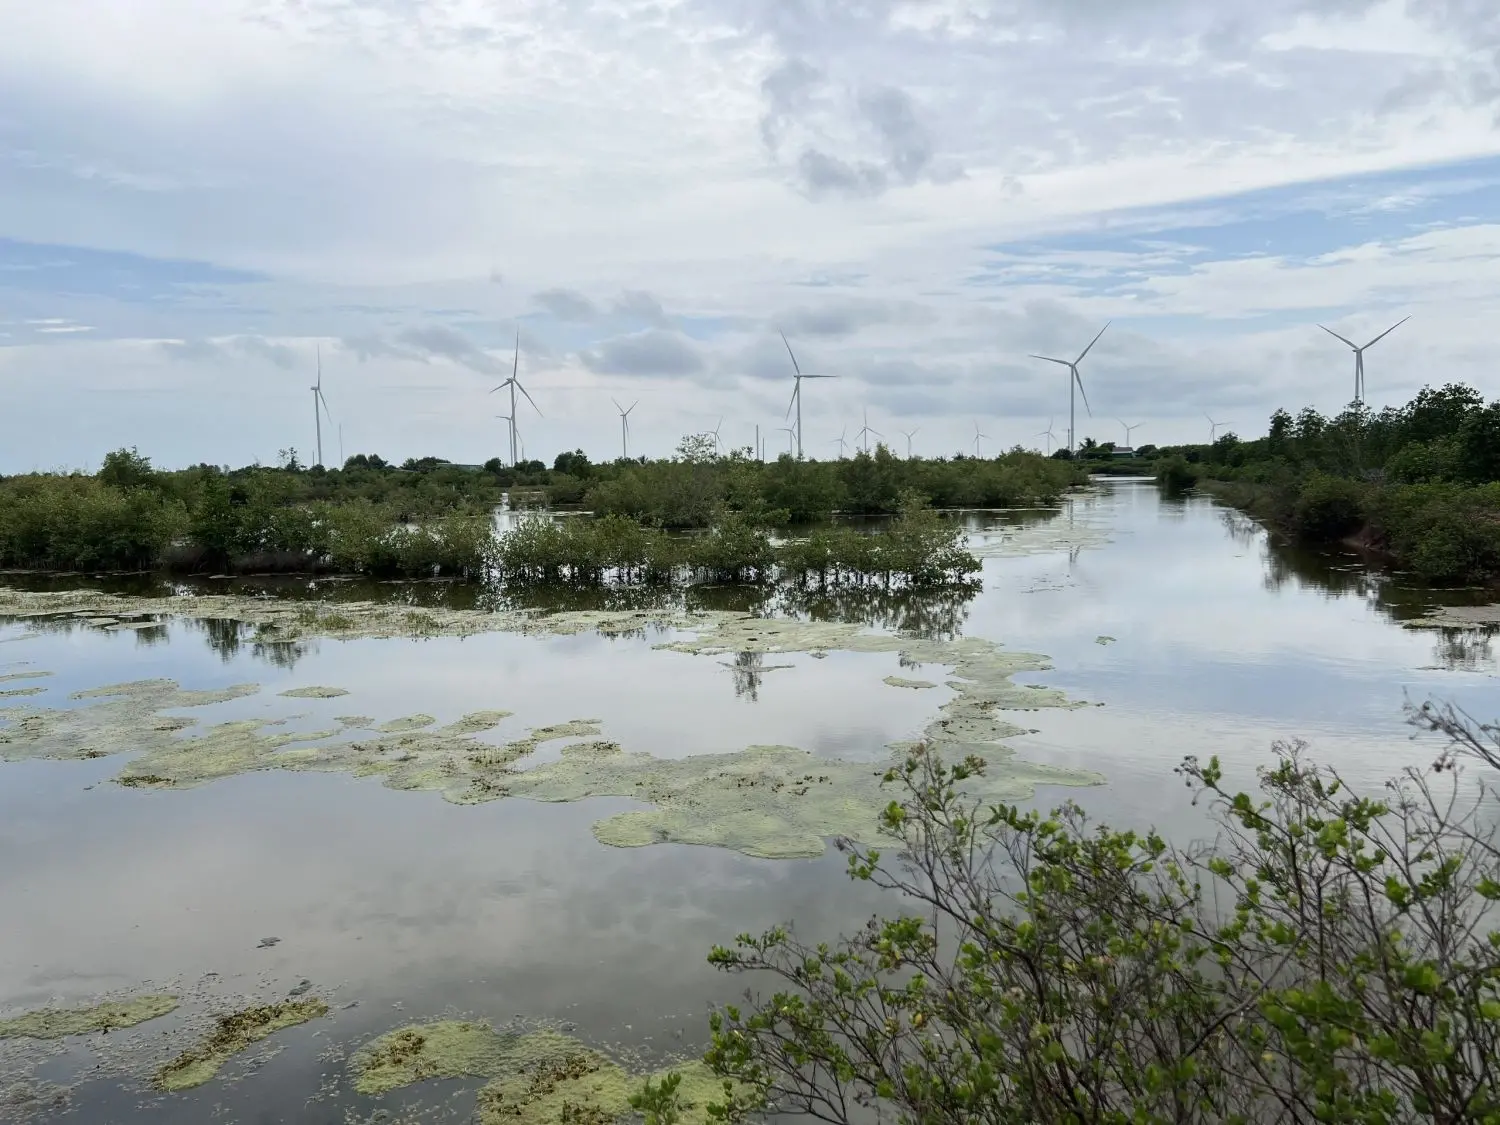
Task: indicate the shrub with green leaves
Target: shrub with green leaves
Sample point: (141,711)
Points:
(1331,957)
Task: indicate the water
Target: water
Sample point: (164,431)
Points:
(1195,634)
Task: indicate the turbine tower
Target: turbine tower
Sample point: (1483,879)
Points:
(908,435)
(1049,435)
(320,405)
(797,391)
(1359,355)
(1128,430)
(625,428)
(514,383)
(865,432)
(977,436)
(1074,379)
(840,442)
(790,432)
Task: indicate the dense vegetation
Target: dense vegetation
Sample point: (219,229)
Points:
(1330,958)
(1420,482)
(430,518)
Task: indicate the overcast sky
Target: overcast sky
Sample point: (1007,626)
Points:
(196,198)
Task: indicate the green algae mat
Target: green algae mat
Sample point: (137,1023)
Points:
(766,801)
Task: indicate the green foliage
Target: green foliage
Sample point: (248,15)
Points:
(1332,958)
(1415,481)
(1175,474)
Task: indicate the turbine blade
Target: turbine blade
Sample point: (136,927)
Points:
(1092,342)
(633,405)
(515,363)
(618,407)
(791,353)
(1083,392)
(793,403)
(1336,336)
(1050,359)
(529,399)
(1388,331)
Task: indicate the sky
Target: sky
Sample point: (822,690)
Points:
(201,203)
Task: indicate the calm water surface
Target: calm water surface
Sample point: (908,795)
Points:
(1193,633)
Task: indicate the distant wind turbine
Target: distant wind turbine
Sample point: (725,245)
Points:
(514,383)
(1213,429)
(865,432)
(909,434)
(1074,379)
(1359,354)
(797,392)
(1049,435)
(841,442)
(320,404)
(977,436)
(790,432)
(625,427)
(1128,430)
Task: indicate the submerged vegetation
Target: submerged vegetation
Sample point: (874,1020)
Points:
(1419,483)
(430,518)
(1331,957)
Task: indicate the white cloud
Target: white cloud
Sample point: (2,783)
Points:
(649,187)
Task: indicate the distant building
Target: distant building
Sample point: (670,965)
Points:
(1122,451)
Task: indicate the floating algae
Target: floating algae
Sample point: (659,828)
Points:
(902,681)
(231,1035)
(406,723)
(536,1078)
(15,693)
(12,676)
(313,693)
(58,1023)
(764,801)
(1449,617)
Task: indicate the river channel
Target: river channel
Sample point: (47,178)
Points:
(1175,623)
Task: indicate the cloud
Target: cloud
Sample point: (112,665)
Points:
(641,305)
(653,352)
(566,304)
(844,316)
(206,350)
(442,342)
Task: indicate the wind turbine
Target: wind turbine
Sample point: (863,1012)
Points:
(1049,435)
(865,432)
(718,445)
(908,434)
(1359,355)
(625,427)
(1075,379)
(514,383)
(320,404)
(977,436)
(840,442)
(1128,430)
(1213,429)
(790,431)
(797,391)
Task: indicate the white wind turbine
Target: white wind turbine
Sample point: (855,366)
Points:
(718,445)
(790,432)
(864,432)
(514,383)
(320,404)
(977,436)
(1128,430)
(797,391)
(1359,354)
(908,435)
(1074,379)
(1049,435)
(1213,429)
(841,442)
(625,427)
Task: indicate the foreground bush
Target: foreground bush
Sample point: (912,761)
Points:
(1331,958)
